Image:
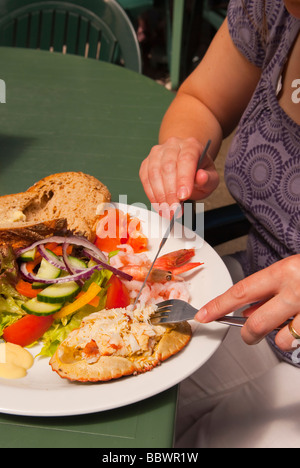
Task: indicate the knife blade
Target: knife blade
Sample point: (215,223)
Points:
(162,243)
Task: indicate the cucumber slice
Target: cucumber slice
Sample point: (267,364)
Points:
(46,271)
(28,256)
(76,262)
(59,292)
(34,307)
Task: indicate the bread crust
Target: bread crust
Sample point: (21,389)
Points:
(67,200)
(21,237)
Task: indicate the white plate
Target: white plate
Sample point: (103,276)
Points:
(43,393)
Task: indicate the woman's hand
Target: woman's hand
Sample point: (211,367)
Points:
(277,289)
(169,175)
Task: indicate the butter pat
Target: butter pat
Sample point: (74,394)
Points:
(17,216)
(14,361)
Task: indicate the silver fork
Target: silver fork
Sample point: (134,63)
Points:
(175,310)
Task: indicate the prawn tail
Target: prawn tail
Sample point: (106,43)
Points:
(186,267)
(174,259)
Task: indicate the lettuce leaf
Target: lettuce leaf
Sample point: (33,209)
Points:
(59,331)
(10,299)
(8,266)
(7,319)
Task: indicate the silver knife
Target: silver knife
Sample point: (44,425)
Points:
(163,241)
(170,228)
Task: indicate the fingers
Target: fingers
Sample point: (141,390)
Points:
(252,289)
(269,316)
(276,289)
(158,175)
(285,339)
(186,167)
(206,182)
(168,173)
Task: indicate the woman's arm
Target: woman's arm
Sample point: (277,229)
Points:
(214,97)
(208,105)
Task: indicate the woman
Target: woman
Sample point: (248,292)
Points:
(246,396)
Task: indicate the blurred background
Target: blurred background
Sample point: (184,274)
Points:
(164,40)
(157,30)
(155,21)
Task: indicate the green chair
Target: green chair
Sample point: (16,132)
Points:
(135,7)
(98,29)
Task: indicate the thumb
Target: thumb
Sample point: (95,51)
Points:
(207,180)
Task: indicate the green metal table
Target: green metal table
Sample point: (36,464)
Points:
(67,113)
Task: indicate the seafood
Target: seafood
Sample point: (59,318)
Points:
(165,268)
(114,343)
(164,281)
(176,259)
(139,273)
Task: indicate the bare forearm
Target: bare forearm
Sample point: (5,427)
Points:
(188,117)
(208,106)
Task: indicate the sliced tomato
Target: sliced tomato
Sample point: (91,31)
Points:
(117,294)
(111,230)
(28,329)
(138,242)
(116,228)
(107,244)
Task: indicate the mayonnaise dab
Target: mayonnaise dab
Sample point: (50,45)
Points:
(14,361)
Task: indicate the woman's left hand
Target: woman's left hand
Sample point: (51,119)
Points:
(276,294)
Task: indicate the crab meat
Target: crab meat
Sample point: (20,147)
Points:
(113,343)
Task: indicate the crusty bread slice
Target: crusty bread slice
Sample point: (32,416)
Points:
(67,200)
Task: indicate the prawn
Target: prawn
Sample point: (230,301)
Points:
(166,267)
(139,273)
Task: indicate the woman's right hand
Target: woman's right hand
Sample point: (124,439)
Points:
(169,175)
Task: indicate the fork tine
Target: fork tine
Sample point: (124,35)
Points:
(160,320)
(163,304)
(173,311)
(164,309)
(161,314)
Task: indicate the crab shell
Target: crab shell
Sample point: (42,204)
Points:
(114,367)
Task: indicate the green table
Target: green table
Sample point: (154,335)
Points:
(67,113)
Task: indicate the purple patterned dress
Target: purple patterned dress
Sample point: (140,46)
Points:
(262,170)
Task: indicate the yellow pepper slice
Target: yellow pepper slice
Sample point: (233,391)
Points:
(92,292)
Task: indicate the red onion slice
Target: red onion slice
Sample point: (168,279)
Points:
(89,248)
(47,255)
(74,240)
(108,267)
(83,275)
(70,268)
